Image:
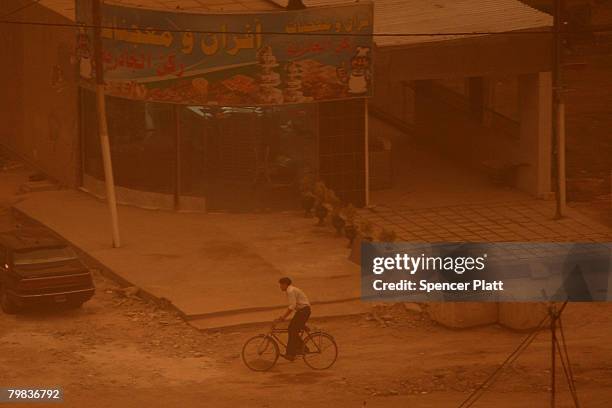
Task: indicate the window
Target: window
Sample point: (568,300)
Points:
(141,140)
(44,255)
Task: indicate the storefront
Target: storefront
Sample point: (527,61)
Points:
(233,115)
(49,112)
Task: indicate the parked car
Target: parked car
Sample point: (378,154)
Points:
(38,268)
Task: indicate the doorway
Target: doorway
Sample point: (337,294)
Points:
(246,158)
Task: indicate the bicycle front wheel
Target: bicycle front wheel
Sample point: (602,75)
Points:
(260,353)
(320,351)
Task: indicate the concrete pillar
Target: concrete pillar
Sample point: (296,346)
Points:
(535,105)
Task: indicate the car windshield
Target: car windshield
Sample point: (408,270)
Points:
(45,255)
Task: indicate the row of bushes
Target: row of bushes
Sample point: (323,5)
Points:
(323,202)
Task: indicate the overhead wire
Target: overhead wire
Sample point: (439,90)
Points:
(600,29)
(18,9)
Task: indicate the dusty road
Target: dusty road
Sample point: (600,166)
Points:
(120,351)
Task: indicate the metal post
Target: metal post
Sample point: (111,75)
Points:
(561,178)
(553,354)
(367,153)
(102,125)
(559,110)
(177,164)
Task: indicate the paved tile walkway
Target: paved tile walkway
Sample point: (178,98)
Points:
(524,220)
(435,199)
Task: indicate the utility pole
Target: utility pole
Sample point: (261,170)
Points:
(559,107)
(102,125)
(367,151)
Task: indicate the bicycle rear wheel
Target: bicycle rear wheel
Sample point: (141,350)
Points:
(260,353)
(321,351)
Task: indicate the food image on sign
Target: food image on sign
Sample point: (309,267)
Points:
(245,59)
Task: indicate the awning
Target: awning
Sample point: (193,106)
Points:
(445,16)
(66,7)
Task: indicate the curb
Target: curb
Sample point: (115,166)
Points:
(267,323)
(261,309)
(93,263)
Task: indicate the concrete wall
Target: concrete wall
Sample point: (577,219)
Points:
(391,96)
(513,315)
(463,315)
(39,98)
(463,58)
(11,81)
(469,139)
(451,123)
(456,134)
(521,316)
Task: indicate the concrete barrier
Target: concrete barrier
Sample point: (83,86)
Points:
(522,315)
(460,315)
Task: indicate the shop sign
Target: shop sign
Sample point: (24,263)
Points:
(247,59)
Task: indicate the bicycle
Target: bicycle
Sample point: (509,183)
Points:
(261,352)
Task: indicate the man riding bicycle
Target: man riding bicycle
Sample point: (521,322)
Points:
(298,303)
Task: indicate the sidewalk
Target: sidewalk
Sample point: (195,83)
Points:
(520,220)
(220,267)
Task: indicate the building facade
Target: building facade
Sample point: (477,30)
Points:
(241,156)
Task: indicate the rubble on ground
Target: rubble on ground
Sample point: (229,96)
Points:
(401,314)
(165,331)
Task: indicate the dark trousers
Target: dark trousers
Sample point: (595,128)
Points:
(297,323)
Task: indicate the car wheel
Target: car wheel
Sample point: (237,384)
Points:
(7,304)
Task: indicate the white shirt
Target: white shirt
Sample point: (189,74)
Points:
(296,298)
